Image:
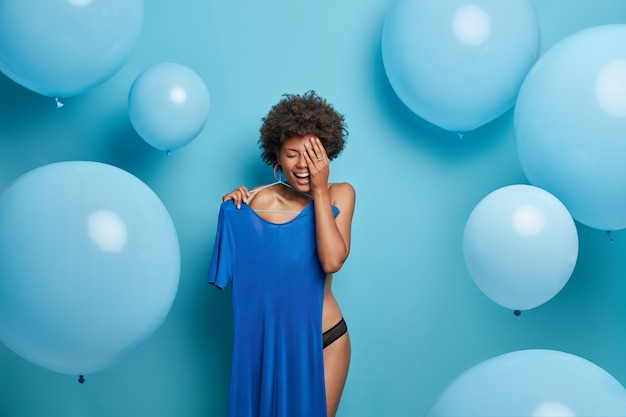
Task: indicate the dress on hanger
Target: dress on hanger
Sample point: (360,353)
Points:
(277,295)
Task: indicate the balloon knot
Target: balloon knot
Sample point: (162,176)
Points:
(611,236)
(517,312)
(81,379)
(59,104)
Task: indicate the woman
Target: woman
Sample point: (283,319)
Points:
(279,245)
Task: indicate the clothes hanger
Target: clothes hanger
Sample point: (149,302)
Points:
(286,184)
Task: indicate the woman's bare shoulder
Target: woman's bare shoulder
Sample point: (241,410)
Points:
(342,193)
(341,188)
(261,196)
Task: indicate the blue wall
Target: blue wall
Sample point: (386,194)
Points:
(417,319)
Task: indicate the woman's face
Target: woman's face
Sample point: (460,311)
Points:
(292,159)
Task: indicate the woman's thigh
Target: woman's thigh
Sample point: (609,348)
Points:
(336,364)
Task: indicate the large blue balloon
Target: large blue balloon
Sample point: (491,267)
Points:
(520,246)
(536,382)
(459,64)
(168,105)
(62,48)
(569,125)
(89,265)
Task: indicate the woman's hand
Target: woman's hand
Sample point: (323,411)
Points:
(318,164)
(239,195)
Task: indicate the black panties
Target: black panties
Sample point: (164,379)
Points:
(334,333)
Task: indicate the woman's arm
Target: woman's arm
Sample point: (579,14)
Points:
(333,234)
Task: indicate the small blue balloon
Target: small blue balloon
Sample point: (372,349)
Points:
(89,266)
(62,48)
(569,124)
(535,382)
(520,246)
(459,64)
(168,105)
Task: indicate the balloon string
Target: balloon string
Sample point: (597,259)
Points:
(59,104)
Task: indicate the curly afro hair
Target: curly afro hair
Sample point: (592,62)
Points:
(299,115)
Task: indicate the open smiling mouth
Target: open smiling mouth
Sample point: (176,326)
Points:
(303,177)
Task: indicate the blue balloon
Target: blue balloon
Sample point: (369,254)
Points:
(168,105)
(459,64)
(89,265)
(520,246)
(569,124)
(535,382)
(62,48)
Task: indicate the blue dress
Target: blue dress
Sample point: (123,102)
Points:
(277,294)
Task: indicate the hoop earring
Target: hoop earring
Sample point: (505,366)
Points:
(276,172)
